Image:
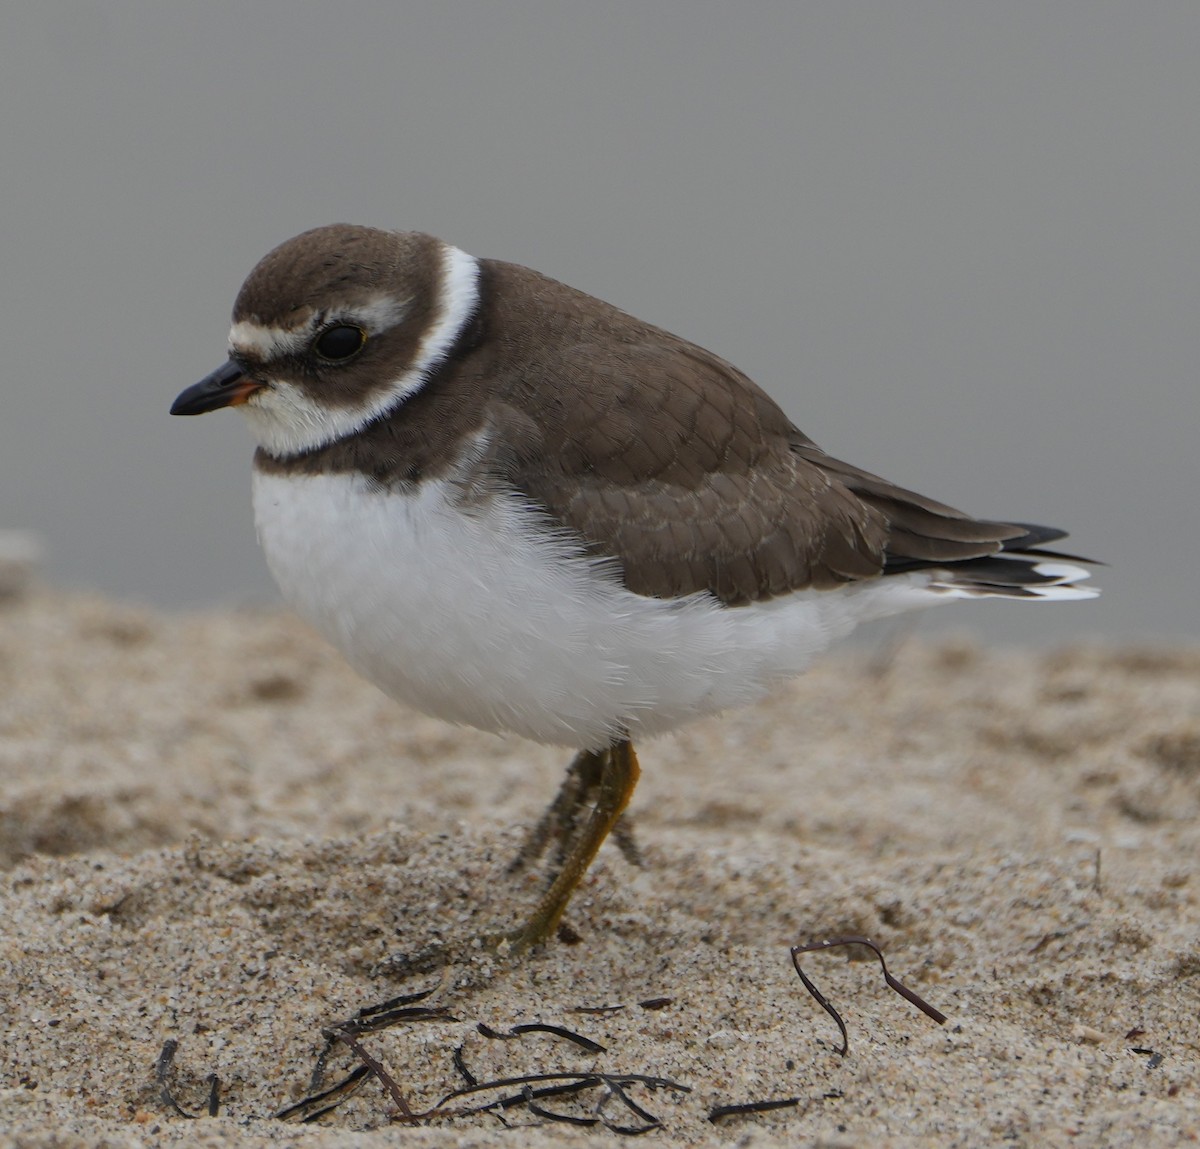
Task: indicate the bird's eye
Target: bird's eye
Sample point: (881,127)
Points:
(340,342)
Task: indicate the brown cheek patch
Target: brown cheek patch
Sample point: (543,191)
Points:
(384,359)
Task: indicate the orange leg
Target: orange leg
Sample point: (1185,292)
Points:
(618,775)
(564,817)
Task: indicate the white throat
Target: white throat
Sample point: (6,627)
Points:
(286,421)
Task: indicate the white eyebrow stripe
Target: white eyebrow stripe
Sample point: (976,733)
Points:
(266,342)
(377,314)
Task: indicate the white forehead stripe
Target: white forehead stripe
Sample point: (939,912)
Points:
(286,421)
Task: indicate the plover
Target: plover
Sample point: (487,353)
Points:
(511,505)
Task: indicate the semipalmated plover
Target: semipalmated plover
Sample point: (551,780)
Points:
(512,505)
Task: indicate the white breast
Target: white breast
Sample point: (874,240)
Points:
(480,614)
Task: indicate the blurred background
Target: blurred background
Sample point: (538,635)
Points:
(959,242)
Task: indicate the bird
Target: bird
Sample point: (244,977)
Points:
(512,505)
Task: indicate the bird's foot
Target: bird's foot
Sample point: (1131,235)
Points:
(465,963)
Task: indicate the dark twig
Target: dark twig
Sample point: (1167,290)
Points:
(460,1063)
(396,1002)
(717,1112)
(585,1043)
(649,1121)
(384,1078)
(372,1019)
(162,1070)
(328,1099)
(893,983)
(588,1078)
(656,1003)
(550,1115)
(374,1022)
(564,1084)
(214,1095)
(825,1004)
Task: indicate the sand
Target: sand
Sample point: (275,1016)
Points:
(212,831)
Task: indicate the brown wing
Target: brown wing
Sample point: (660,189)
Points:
(672,462)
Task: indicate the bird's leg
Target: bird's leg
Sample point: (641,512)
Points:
(612,775)
(626,841)
(563,818)
(618,775)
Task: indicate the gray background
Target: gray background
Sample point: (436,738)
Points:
(958,241)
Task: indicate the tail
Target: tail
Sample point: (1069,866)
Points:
(1022,568)
(961,556)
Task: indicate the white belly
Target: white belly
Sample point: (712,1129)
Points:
(480,615)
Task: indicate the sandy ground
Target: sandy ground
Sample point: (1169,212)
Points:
(211,831)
